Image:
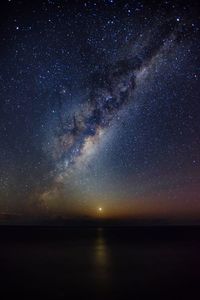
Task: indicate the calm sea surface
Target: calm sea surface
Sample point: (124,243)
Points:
(100,263)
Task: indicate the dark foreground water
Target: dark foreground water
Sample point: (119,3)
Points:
(100,263)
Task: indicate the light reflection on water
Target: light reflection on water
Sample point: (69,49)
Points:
(102,261)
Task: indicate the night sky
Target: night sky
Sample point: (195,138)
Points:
(99,108)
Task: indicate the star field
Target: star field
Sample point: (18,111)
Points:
(99,108)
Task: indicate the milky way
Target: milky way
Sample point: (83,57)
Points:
(111,90)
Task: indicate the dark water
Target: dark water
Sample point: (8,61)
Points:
(96,263)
